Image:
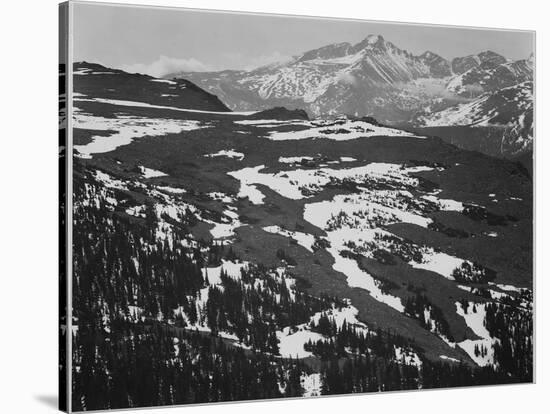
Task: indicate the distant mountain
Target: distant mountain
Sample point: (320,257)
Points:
(509,110)
(372,77)
(376,78)
(487,72)
(511,105)
(485,60)
(362,79)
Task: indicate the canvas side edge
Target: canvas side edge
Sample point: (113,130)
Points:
(62,215)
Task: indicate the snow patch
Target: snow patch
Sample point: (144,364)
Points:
(150,173)
(125,130)
(445,204)
(303,239)
(341,132)
(407,357)
(294,160)
(227,153)
(311,383)
(438,262)
(164,81)
(172,190)
(291,344)
(137,104)
(233,270)
(347,159)
(475,319)
(447,358)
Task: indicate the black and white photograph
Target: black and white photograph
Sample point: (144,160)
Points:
(261,206)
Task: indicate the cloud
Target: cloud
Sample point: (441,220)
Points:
(165,65)
(437,88)
(243,62)
(275,57)
(474,89)
(347,78)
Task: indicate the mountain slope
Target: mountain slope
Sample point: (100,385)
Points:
(488,72)
(100,82)
(509,110)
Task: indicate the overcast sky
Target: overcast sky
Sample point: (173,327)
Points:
(161,40)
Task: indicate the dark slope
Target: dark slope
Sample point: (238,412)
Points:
(96,81)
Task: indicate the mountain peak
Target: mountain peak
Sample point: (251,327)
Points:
(335,50)
(484,60)
(372,41)
(429,55)
(439,67)
(489,59)
(487,54)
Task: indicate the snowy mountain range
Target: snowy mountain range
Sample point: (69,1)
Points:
(376,78)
